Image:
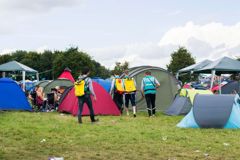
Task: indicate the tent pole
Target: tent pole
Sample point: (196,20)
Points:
(213,75)
(37,76)
(23,80)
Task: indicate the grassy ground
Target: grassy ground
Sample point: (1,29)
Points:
(38,136)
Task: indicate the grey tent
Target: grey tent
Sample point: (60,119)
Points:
(180,106)
(16,66)
(42,83)
(166,92)
(58,82)
(230,87)
(213,111)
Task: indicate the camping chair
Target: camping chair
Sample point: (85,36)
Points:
(50,104)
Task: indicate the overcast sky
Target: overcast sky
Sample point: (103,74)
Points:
(143,32)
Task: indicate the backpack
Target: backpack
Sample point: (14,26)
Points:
(129,85)
(119,86)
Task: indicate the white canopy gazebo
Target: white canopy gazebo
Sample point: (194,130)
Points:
(16,66)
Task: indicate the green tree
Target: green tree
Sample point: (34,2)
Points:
(120,67)
(180,59)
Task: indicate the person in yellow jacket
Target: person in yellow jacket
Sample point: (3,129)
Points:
(129,92)
(117,90)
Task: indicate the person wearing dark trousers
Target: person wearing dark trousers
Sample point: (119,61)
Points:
(148,89)
(130,89)
(117,91)
(86,98)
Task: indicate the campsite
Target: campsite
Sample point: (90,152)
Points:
(119,80)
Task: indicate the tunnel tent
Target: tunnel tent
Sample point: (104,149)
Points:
(105,83)
(165,93)
(213,111)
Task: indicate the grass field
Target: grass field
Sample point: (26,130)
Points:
(29,136)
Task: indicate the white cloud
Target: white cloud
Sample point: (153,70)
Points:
(35,5)
(205,41)
(210,41)
(136,54)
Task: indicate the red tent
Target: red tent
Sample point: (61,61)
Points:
(67,75)
(103,106)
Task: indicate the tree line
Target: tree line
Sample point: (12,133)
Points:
(50,64)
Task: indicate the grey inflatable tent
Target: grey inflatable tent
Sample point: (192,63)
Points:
(213,111)
(166,92)
(180,106)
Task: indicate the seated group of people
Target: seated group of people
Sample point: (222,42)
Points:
(45,102)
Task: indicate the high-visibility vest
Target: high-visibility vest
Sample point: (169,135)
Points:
(129,85)
(119,85)
(149,85)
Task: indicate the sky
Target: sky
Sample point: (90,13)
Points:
(142,32)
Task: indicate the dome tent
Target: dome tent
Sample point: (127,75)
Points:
(165,94)
(104,104)
(12,97)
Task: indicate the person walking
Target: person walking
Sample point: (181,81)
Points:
(149,86)
(117,91)
(129,92)
(83,90)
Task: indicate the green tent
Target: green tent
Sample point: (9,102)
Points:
(58,82)
(42,83)
(166,92)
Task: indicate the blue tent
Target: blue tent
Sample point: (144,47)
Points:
(214,111)
(12,97)
(106,84)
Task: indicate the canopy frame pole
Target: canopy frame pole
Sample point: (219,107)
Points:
(177,75)
(213,75)
(219,83)
(3,74)
(23,80)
